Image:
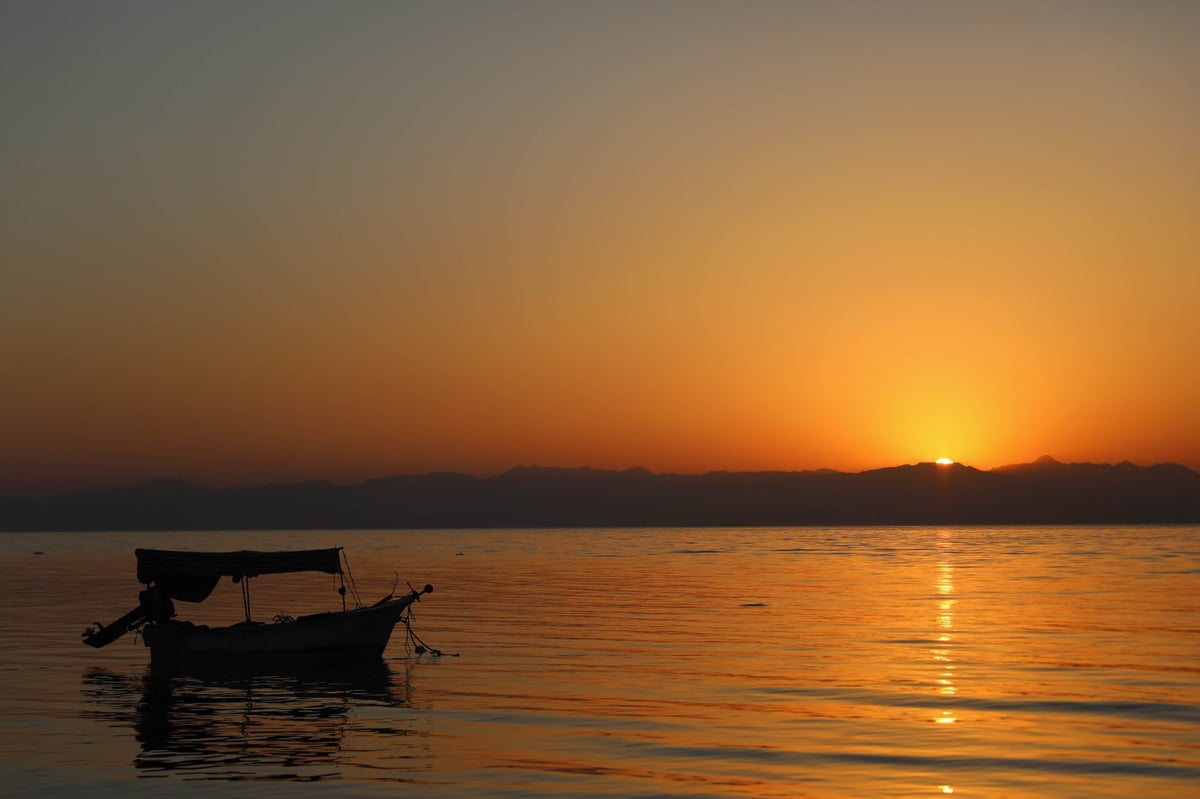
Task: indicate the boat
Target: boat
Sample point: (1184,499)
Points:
(358,633)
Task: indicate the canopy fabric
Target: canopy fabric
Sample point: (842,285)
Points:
(191,576)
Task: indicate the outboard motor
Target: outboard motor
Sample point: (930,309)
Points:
(153,605)
(156,605)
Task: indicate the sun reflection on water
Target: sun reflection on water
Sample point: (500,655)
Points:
(941,652)
(942,658)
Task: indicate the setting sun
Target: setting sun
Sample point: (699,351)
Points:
(944,461)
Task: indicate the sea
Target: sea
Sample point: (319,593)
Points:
(782,662)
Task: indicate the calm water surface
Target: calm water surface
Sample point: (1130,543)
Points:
(763,663)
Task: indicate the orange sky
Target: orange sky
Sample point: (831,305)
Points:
(293,241)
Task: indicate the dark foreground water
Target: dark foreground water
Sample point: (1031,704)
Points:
(766,663)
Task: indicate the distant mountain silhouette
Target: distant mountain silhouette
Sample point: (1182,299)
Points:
(1042,492)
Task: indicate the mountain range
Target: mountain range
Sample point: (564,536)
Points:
(1043,492)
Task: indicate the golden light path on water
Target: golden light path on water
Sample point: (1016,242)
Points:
(942,652)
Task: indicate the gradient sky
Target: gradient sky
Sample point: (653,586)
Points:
(249,242)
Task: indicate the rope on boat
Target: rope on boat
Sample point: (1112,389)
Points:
(413,642)
(347,574)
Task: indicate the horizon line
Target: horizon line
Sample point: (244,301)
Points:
(1042,460)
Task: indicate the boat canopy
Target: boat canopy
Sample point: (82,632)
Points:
(191,576)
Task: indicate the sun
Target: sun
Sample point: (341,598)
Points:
(943,461)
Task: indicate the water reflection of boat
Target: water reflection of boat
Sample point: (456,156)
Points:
(358,633)
(255,723)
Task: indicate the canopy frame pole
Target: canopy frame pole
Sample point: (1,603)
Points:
(246,596)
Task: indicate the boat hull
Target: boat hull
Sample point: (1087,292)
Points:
(360,634)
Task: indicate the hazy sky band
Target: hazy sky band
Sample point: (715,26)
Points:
(285,240)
